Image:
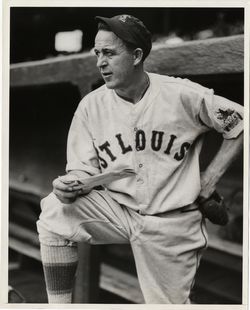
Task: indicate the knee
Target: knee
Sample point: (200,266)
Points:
(48,205)
(49,201)
(58,222)
(48,220)
(49,238)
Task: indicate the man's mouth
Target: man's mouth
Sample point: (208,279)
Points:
(106,74)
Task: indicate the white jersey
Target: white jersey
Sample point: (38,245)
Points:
(158,137)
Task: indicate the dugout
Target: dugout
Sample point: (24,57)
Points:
(43,97)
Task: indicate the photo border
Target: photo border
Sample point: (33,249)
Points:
(7,4)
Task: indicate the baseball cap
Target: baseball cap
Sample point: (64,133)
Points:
(130,29)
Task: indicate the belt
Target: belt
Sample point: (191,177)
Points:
(184,209)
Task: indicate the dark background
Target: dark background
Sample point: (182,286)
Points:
(33,29)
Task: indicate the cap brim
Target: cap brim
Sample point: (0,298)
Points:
(101,18)
(106,20)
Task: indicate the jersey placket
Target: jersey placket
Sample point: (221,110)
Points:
(139,160)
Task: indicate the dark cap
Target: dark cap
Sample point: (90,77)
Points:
(130,29)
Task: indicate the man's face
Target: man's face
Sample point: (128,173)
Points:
(114,61)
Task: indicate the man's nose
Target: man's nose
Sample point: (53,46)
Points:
(101,61)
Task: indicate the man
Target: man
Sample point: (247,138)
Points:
(154,125)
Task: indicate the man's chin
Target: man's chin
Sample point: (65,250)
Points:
(109,85)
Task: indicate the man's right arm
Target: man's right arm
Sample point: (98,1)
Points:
(82,159)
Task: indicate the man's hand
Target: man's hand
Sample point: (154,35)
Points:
(214,208)
(66,189)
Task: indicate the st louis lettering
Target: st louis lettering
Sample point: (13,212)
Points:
(140,140)
(125,149)
(157,144)
(184,147)
(170,144)
(156,140)
(105,146)
(102,161)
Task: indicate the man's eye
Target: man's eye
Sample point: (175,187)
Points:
(109,54)
(97,53)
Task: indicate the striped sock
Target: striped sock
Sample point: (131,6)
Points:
(59,265)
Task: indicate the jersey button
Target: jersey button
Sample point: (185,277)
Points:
(140,165)
(135,129)
(140,181)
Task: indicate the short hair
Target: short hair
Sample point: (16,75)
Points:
(129,46)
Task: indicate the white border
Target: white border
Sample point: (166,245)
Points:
(128,3)
(5,155)
(245,270)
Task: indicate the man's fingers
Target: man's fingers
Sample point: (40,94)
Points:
(63,187)
(63,194)
(66,192)
(68,178)
(76,187)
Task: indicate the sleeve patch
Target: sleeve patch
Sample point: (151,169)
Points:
(228,118)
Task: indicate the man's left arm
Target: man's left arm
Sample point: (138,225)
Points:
(227,153)
(226,117)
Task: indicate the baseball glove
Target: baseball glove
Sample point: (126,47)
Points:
(214,209)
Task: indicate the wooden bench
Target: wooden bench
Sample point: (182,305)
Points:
(37,158)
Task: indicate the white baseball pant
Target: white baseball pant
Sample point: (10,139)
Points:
(167,248)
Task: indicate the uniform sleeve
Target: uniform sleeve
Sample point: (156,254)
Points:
(81,154)
(221,114)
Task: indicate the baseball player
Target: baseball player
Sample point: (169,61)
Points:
(154,125)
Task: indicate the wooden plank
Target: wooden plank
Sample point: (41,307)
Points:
(79,70)
(88,274)
(24,234)
(224,260)
(13,266)
(212,56)
(225,246)
(120,283)
(24,248)
(27,189)
(222,252)
(217,243)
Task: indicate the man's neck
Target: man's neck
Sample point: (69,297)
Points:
(136,90)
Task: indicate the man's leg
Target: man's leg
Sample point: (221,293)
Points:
(59,265)
(94,218)
(167,253)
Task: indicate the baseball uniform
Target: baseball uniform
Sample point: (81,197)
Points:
(157,137)
(160,137)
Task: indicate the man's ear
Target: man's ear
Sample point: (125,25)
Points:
(138,54)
